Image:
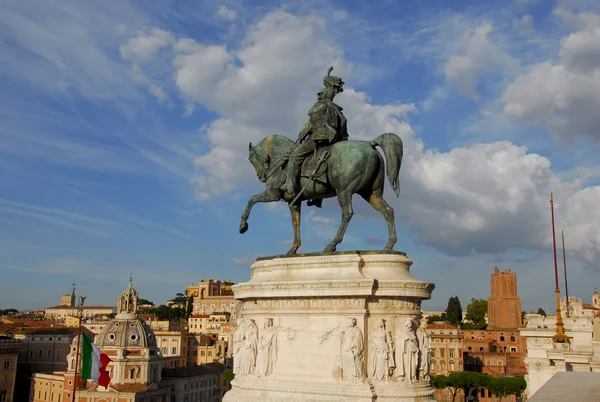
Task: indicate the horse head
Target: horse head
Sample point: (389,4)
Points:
(259,159)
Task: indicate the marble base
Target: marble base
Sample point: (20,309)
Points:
(307,329)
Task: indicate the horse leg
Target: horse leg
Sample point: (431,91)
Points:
(380,204)
(295,212)
(345,201)
(269,195)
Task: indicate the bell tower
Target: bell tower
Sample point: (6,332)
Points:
(596,298)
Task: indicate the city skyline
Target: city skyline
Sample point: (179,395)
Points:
(124,140)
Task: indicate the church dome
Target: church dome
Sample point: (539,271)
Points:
(126,334)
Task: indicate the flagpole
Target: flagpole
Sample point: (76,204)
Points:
(562,232)
(560,336)
(79,346)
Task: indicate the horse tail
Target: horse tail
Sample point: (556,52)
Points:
(393,151)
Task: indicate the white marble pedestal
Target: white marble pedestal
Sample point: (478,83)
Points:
(330,328)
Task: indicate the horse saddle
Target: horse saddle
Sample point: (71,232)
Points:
(311,167)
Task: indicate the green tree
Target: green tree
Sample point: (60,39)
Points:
(180,300)
(476,311)
(190,306)
(229,375)
(504,386)
(434,318)
(471,382)
(454,311)
(145,301)
(163,313)
(541,311)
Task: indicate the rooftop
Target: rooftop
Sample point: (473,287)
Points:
(443,325)
(569,386)
(189,371)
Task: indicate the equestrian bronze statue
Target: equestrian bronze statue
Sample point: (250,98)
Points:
(322,163)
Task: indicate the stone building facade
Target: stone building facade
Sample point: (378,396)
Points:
(211,296)
(446,342)
(9,354)
(546,358)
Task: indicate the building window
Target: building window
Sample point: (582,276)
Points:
(512,339)
(499,363)
(40,352)
(31,353)
(451,366)
(451,353)
(501,339)
(6,364)
(174,350)
(481,349)
(49,354)
(513,350)
(442,352)
(57,354)
(210,353)
(489,363)
(469,348)
(3,395)
(202,353)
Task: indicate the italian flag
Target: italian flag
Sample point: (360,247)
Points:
(93,363)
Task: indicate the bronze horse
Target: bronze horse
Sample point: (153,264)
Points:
(353,167)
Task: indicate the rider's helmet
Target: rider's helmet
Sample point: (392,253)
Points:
(331,81)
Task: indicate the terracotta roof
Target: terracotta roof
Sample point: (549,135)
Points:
(29,322)
(62,307)
(440,326)
(217,366)
(590,306)
(200,316)
(129,387)
(179,372)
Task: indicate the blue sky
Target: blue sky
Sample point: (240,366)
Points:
(125,126)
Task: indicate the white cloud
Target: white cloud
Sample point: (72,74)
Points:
(562,96)
(144,47)
(226,13)
(485,198)
(322,220)
(523,24)
(481,56)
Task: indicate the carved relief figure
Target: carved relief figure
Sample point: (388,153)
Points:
(407,352)
(267,349)
(352,351)
(381,354)
(237,345)
(249,347)
(424,351)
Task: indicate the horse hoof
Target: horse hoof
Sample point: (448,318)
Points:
(243,228)
(389,249)
(329,249)
(291,253)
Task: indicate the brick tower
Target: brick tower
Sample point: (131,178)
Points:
(504,306)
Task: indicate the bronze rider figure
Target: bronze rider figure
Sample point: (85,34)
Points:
(326,126)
